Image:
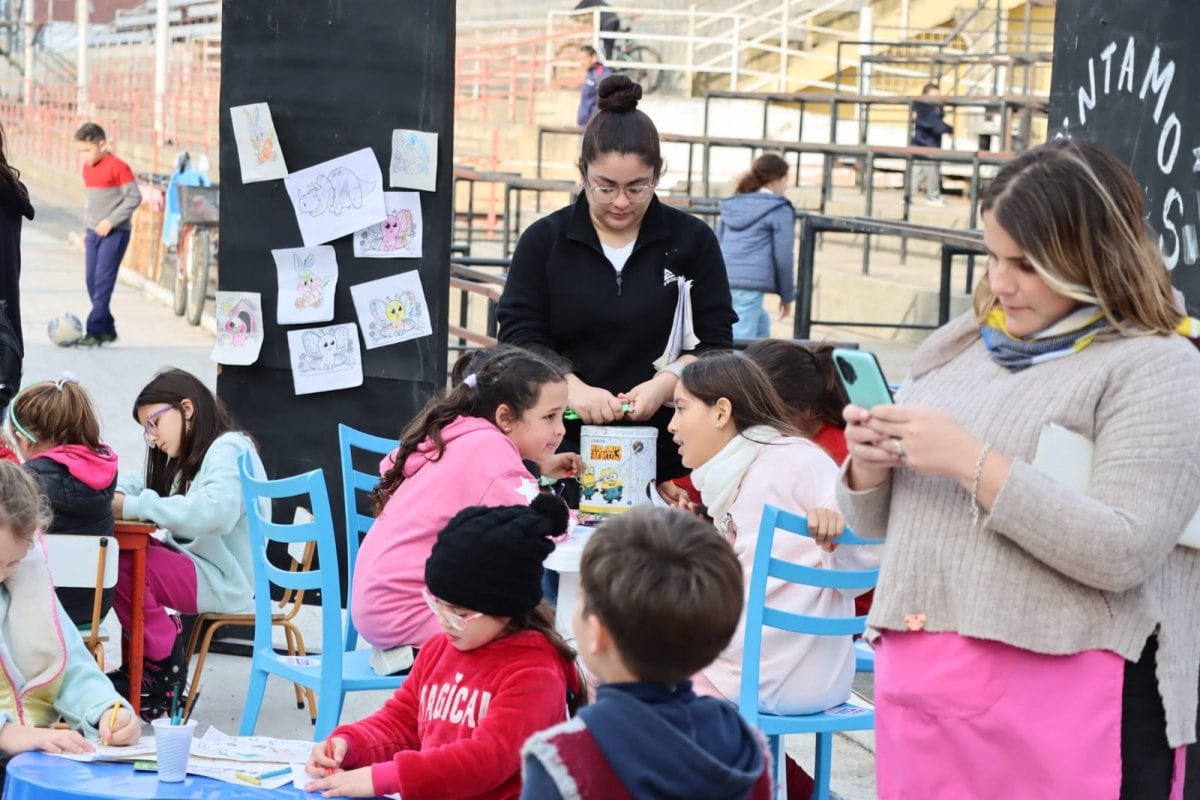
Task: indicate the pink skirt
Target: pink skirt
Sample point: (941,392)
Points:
(964,718)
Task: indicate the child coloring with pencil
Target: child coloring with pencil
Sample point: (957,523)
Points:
(496,673)
(57,433)
(464,449)
(46,672)
(191,488)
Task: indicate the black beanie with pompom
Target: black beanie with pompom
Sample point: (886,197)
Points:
(489,559)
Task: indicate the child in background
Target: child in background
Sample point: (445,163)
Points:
(660,597)
(191,488)
(806,380)
(47,671)
(496,673)
(112,195)
(58,435)
(464,449)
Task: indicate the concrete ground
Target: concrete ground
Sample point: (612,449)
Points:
(152,337)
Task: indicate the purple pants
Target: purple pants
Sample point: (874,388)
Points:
(170,583)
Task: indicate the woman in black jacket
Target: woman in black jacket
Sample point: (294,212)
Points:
(14,204)
(597,283)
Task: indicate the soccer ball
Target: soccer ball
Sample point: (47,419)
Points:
(65,329)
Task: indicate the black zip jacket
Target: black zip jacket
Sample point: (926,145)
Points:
(77,509)
(563,297)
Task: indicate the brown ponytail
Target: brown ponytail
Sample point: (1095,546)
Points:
(766,168)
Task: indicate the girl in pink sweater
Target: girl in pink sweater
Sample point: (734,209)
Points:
(464,449)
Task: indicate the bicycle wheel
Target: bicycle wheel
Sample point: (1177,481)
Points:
(180,287)
(650,77)
(199,254)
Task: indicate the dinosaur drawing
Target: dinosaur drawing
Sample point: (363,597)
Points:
(333,193)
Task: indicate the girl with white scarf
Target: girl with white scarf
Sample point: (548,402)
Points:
(729,428)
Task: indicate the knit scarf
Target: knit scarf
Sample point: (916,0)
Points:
(1069,335)
(719,478)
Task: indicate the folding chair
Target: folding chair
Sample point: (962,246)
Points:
(70,558)
(846,717)
(289,605)
(357,524)
(336,671)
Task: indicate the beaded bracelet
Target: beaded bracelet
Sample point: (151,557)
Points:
(975,484)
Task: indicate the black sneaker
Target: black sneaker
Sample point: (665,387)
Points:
(97,340)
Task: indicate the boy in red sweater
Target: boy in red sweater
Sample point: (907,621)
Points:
(496,674)
(112,195)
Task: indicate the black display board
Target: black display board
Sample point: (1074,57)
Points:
(338,76)
(1127,75)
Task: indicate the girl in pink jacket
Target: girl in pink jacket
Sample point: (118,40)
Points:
(464,449)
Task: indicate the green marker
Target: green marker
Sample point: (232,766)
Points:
(570,413)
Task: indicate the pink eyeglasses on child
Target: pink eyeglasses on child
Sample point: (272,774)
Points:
(453,621)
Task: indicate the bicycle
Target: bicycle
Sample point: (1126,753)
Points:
(629,51)
(199,208)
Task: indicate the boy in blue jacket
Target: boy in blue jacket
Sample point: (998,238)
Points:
(660,597)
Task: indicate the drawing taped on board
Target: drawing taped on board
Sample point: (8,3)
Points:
(239,328)
(325,359)
(392,309)
(337,197)
(307,277)
(398,236)
(258,150)
(414,160)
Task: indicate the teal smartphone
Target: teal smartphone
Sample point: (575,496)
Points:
(862,376)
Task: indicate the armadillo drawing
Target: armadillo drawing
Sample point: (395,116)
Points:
(332,193)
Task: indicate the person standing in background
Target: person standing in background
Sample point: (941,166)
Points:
(14,204)
(609,22)
(928,130)
(112,197)
(589,93)
(757,232)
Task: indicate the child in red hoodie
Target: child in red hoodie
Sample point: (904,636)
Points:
(496,674)
(464,449)
(58,435)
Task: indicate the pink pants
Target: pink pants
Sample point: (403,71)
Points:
(170,582)
(958,717)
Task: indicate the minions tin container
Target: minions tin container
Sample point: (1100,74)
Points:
(618,466)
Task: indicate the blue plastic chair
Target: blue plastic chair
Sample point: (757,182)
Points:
(846,717)
(353,482)
(338,671)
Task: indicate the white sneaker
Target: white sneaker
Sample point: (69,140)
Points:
(934,201)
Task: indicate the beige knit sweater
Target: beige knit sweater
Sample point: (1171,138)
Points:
(1049,569)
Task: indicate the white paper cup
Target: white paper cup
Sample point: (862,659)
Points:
(172,743)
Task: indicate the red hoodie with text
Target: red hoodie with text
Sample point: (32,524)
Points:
(455,727)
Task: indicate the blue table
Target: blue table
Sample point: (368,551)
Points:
(37,776)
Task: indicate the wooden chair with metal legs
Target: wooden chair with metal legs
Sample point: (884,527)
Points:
(69,556)
(290,603)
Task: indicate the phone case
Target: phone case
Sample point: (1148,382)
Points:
(862,376)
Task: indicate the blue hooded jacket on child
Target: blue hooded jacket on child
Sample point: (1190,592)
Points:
(660,741)
(757,232)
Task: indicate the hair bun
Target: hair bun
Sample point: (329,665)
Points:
(553,511)
(618,94)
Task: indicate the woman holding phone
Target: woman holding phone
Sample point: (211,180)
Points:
(1004,588)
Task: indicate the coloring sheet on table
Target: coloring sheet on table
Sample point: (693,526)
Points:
(325,359)
(398,236)
(257,143)
(217,744)
(338,197)
(392,309)
(239,328)
(133,752)
(307,278)
(414,160)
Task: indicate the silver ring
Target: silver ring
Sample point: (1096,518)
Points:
(899,448)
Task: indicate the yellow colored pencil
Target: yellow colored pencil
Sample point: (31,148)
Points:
(247,778)
(112,720)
